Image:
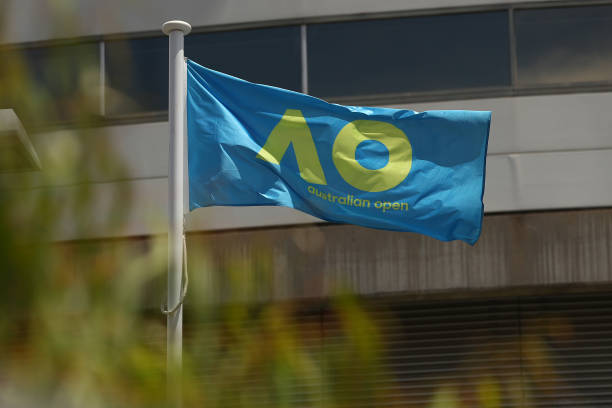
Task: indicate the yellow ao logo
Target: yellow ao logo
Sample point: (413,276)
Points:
(293,130)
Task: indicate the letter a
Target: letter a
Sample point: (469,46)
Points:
(293,129)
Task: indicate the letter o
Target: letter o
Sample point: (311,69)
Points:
(385,178)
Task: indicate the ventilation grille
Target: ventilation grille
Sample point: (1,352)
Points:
(525,352)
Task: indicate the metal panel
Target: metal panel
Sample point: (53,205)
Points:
(441,350)
(545,352)
(532,181)
(567,352)
(504,352)
(541,123)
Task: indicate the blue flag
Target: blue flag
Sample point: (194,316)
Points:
(252,144)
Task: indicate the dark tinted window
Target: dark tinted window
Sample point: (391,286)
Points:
(50,84)
(138,69)
(269,56)
(409,54)
(562,45)
(137,75)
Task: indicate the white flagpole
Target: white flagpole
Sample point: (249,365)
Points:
(176,30)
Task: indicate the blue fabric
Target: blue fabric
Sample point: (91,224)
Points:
(230,120)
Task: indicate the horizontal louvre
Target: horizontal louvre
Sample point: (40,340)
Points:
(431,349)
(532,352)
(567,351)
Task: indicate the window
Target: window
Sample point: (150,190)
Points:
(137,75)
(269,56)
(564,45)
(415,54)
(51,84)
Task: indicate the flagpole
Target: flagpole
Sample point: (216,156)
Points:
(176,30)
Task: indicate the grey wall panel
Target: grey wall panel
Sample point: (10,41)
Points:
(33,20)
(132,152)
(564,179)
(541,123)
(530,181)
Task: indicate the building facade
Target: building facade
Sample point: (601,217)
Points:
(536,285)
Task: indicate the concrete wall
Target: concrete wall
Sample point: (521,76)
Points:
(516,254)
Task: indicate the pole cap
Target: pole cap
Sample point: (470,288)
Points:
(176,25)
